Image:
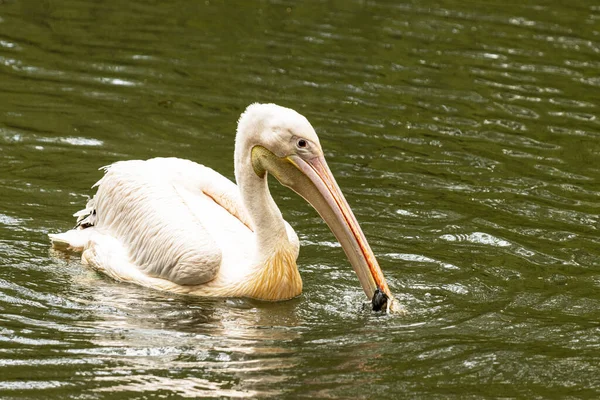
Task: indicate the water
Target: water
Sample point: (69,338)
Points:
(464,135)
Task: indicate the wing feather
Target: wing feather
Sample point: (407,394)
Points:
(161,211)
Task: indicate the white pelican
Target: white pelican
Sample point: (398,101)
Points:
(174,225)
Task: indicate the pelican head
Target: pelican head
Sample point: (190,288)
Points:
(281,142)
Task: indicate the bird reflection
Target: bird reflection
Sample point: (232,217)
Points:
(194,347)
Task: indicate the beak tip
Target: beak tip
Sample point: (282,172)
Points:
(386,303)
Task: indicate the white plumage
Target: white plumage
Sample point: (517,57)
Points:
(176,225)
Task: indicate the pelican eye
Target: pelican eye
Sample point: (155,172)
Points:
(301,143)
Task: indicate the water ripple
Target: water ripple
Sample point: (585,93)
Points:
(463,136)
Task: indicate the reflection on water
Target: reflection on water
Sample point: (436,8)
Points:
(138,340)
(465,137)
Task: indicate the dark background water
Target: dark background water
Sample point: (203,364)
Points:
(464,134)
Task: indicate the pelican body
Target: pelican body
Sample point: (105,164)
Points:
(175,225)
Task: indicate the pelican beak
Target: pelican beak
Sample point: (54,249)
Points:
(313,180)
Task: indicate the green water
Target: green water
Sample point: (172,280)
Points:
(465,135)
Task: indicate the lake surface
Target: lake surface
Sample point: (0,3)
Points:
(465,135)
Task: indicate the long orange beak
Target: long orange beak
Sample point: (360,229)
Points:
(312,179)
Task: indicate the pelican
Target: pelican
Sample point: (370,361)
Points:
(178,226)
